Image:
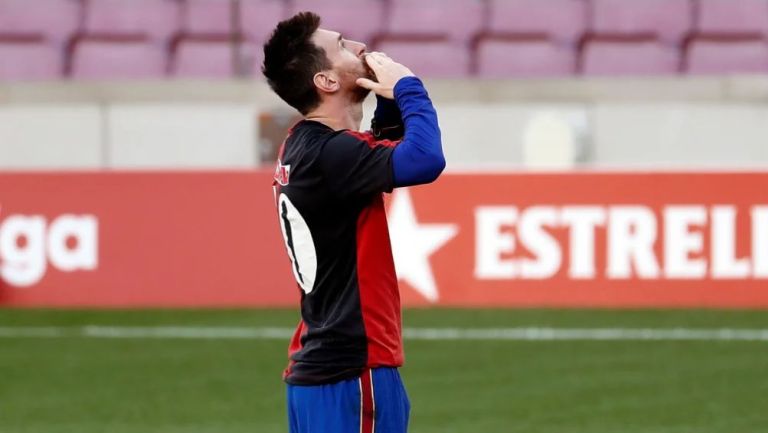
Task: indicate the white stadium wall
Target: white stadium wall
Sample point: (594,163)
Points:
(707,123)
(50,136)
(181,135)
(677,133)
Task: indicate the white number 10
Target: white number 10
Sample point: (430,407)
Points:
(298,243)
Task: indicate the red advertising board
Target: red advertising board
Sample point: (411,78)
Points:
(212,239)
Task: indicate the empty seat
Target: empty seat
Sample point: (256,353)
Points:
(54,19)
(629,58)
(733,16)
(30,60)
(358,20)
(156,18)
(115,58)
(208,17)
(211,58)
(670,20)
(713,56)
(259,17)
(563,20)
(429,58)
(458,19)
(502,58)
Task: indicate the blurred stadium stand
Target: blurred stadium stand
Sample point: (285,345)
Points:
(360,20)
(535,56)
(628,55)
(115,57)
(158,20)
(552,38)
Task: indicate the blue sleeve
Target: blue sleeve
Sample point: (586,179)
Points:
(419,158)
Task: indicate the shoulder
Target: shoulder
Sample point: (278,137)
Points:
(355,164)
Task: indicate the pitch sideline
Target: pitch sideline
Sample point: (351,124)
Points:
(430,334)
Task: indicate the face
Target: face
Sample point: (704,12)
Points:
(347,62)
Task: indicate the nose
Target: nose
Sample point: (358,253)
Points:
(359,47)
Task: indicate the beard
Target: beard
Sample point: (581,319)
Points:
(360,93)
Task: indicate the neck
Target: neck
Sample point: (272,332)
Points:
(338,115)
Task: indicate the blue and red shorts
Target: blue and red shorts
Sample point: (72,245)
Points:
(374,402)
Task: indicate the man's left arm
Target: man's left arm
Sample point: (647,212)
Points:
(418,158)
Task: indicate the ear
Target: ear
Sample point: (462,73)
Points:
(327,82)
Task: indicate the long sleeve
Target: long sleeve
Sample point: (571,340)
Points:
(419,158)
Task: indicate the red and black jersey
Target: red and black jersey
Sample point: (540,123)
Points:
(329,189)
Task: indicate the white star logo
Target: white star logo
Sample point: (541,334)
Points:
(413,243)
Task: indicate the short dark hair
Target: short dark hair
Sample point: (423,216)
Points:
(291,61)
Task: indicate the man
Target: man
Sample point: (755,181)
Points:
(342,375)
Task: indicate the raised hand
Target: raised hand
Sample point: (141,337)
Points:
(387,72)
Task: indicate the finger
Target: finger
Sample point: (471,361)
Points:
(378,57)
(367,84)
(372,61)
(383,59)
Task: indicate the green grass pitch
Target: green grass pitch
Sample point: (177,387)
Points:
(139,385)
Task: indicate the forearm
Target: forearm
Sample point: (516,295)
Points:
(419,158)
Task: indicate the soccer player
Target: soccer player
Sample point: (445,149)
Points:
(342,375)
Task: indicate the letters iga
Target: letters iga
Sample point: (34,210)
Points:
(30,243)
